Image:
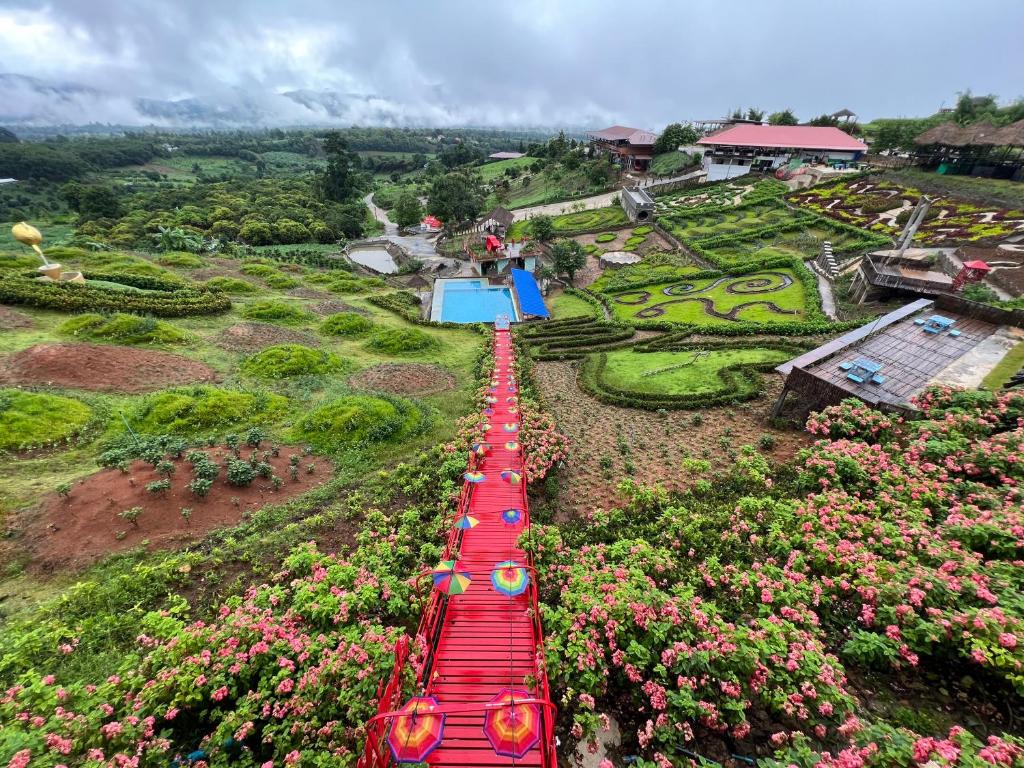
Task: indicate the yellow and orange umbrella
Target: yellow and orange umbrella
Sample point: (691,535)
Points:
(513,728)
(417,730)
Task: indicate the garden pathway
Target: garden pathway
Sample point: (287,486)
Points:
(828,300)
(484,641)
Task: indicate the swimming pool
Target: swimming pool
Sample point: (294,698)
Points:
(471,301)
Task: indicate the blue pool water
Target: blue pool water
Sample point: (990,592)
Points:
(473,301)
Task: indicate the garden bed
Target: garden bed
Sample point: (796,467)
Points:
(251,337)
(101,367)
(11,319)
(403,379)
(86,525)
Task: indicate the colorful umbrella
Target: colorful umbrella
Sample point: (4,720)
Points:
(511,476)
(474,477)
(510,578)
(511,445)
(512,399)
(512,389)
(511,516)
(511,427)
(466,521)
(490,399)
(513,409)
(512,728)
(485,427)
(450,577)
(480,449)
(488,411)
(417,730)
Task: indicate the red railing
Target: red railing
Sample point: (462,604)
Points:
(426,639)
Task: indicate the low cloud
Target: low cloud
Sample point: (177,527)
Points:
(460,62)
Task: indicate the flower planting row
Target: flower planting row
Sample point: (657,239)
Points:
(162,298)
(739,382)
(575,337)
(748,611)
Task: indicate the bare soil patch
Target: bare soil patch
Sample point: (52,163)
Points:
(87,525)
(101,367)
(403,378)
(655,443)
(332,307)
(10,319)
(308,293)
(251,337)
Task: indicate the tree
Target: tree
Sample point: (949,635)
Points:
(458,154)
(674,136)
(971,109)
(256,233)
(737,114)
(785,117)
(340,181)
(542,227)
(755,114)
(348,219)
(455,197)
(97,201)
(407,211)
(825,121)
(568,256)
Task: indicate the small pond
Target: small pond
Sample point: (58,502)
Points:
(377,259)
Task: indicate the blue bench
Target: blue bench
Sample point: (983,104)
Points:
(919,321)
(954,333)
(845,366)
(855,377)
(878,379)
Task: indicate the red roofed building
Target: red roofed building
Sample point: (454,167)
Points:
(738,149)
(633,147)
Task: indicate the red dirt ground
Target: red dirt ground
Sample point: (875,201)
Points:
(251,337)
(101,367)
(657,442)
(85,527)
(11,319)
(403,378)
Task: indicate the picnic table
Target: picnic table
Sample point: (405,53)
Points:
(937,324)
(862,369)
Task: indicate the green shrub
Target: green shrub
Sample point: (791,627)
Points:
(644,230)
(120,292)
(180,259)
(126,329)
(276,310)
(605,237)
(231,285)
(359,419)
(281,281)
(33,419)
(240,473)
(346,324)
(286,360)
(256,269)
(399,341)
(192,410)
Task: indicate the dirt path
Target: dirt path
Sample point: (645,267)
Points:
(390,228)
(556,209)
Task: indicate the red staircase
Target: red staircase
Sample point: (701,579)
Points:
(469,647)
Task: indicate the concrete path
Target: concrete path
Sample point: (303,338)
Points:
(390,228)
(828,300)
(568,206)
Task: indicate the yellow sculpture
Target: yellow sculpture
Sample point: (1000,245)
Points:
(25,233)
(50,271)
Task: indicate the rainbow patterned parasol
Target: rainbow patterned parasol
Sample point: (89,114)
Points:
(512,728)
(513,399)
(488,411)
(474,477)
(511,476)
(451,577)
(417,730)
(466,521)
(511,445)
(511,516)
(511,427)
(510,578)
(513,409)
(480,449)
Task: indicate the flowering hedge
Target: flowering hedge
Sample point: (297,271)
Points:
(735,611)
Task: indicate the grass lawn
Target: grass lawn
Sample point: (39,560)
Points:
(803,244)
(563,305)
(491,171)
(727,223)
(1006,367)
(789,298)
(670,162)
(696,372)
(1009,194)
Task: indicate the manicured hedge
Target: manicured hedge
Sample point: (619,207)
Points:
(175,299)
(740,382)
(575,337)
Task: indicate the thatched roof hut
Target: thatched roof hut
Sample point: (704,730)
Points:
(944,133)
(1011,135)
(979,134)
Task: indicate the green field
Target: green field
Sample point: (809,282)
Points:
(491,171)
(690,305)
(563,305)
(688,372)
(670,162)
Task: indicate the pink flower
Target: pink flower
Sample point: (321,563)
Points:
(1008,640)
(292,757)
(220,693)
(20,759)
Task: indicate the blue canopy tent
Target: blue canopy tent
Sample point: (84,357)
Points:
(530,300)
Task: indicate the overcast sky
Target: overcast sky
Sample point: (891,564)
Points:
(539,62)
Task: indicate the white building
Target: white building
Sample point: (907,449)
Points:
(739,149)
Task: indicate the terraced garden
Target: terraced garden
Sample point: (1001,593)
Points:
(884,207)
